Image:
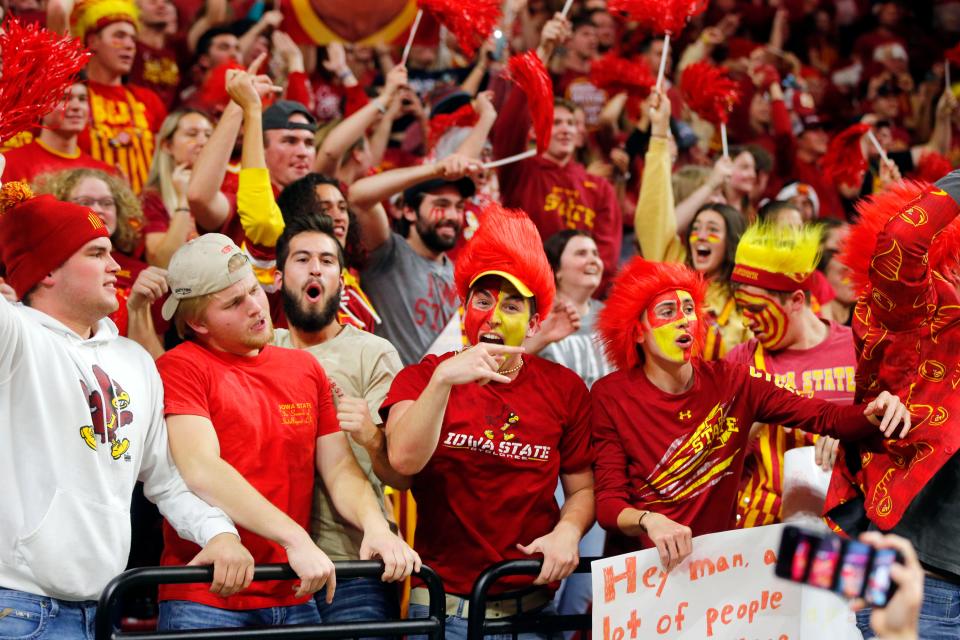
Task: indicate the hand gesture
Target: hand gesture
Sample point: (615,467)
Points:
(399,560)
(150,286)
(336,58)
(241,89)
(889,172)
(355,419)
(262,83)
(396,79)
(893,412)
(287,49)
(181,179)
(456,166)
(313,567)
(721,173)
(556,31)
(483,105)
(562,321)
(674,541)
(560,550)
(479,363)
(825,450)
(899,619)
(272,18)
(232,564)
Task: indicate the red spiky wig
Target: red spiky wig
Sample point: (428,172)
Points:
(639,282)
(507,241)
(875,211)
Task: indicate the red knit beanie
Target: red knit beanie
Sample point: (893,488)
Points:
(38,234)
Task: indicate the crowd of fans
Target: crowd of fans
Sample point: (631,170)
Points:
(260,195)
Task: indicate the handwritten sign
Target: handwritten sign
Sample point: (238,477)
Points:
(726,590)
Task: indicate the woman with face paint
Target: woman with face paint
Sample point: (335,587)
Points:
(671,428)
(486,433)
(709,245)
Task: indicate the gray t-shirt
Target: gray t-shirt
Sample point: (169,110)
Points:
(414,296)
(580,351)
(360,365)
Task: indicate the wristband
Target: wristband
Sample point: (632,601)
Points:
(346,73)
(640,521)
(178,209)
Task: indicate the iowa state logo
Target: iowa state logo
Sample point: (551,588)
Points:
(108,413)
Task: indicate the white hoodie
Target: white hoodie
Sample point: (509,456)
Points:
(80,422)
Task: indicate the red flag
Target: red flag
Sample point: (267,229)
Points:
(528,72)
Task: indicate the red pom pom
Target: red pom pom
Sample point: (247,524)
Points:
(38,68)
(953,55)
(471,21)
(528,72)
(709,91)
(932,167)
(843,163)
(619,75)
(658,16)
(465,116)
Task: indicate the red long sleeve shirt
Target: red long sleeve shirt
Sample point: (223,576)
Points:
(682,455)
(556,197)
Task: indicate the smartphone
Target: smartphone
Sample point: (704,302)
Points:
(849,568)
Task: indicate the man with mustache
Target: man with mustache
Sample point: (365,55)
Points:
(361,367)
(773,276)
(408,276)
(253,446)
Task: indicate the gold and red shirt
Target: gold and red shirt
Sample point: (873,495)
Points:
(123,121)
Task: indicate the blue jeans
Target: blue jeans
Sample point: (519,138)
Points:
(456,626)
(359,600)
(178,615)
(44,618)
(939,613)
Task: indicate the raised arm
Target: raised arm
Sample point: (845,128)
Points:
(207,203)
(472,145)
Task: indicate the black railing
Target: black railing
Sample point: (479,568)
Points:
(432,627)
(479,626)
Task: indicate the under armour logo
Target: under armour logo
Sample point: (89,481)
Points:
(684,415)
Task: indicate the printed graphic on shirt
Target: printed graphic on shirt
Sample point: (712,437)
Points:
(108,413)
(695,461)
(566,203)
(120,135)
(296,413)
(500,438)
(435,309)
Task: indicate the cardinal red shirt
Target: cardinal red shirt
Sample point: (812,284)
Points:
(34,159)
(159,70)
(268,432)
(491,480)
(825,371)
(123,121)
(555,197)
(682,455)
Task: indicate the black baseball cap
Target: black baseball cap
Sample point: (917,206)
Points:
(277,116)
(464,185)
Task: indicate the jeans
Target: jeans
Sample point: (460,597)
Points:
(33,617)
(359,600)
(456,626)
(939,613)
(178,615)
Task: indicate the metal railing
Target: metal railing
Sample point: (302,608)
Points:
(433,626)
(479,626)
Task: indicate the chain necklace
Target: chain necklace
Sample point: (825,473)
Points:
(513,370)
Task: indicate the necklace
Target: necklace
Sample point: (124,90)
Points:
(513,370)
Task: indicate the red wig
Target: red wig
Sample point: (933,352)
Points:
(507,241)
(875,211)
(638,283)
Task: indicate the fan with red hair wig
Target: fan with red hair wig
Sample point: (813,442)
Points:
(507,241)
(637,284)
(875,212)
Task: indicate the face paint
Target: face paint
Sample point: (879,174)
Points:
(501,312)
(672,318)
(709,238)
(765,316)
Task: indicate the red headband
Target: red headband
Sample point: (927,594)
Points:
(770,280)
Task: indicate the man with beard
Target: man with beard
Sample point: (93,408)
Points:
(361,367)
(252,446)
(409,278)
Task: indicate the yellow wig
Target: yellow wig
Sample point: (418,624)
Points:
(777,257)
(89,16)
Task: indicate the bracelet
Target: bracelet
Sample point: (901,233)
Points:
(640,521)
(346,73)
(179,209)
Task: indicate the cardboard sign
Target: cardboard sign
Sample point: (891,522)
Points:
(726,590)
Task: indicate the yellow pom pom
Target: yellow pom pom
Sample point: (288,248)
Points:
(12,194)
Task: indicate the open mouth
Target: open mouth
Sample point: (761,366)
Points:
(491,338)
(685,341)
(313,292)
(702,251)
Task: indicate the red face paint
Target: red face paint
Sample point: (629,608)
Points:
(673,325)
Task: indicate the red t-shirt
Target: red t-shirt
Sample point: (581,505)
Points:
(159,69)
(267,421)
(490,483)
(33,159)
(123,120)
(682,455)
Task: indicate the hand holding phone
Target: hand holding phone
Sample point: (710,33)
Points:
(900,618)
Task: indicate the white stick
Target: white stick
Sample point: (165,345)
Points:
(413,34)
(876,144)
(663,61)
(510,159)
(723,139)
(566,8)
(946,73)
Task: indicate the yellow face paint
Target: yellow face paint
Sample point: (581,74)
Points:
(673,325)
(765,316)
(497,311)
